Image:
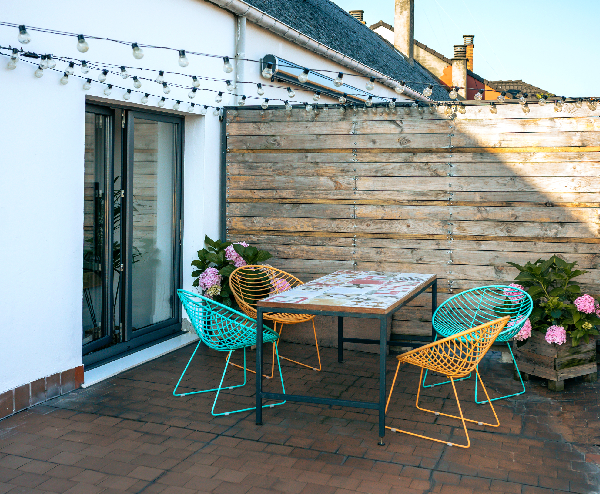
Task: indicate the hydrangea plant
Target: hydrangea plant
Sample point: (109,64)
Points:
(559,308)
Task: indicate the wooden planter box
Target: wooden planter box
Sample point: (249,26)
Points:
(556,362)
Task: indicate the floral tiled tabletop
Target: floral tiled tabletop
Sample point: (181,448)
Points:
(355,290)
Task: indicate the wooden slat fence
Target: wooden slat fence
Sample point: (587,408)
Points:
(420,192)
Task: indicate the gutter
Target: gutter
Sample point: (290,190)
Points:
(241,8)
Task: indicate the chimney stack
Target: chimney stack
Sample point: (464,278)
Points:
(468,40)
(357,14)
(404,28)
(459,70)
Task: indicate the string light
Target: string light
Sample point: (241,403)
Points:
(14,58)
(400,88)
(203,110)
(268,71)
(428,91)
(578,103)
(87,85)
(502,96)
(462,109)
(39,72)
(558,104)
(70,69)
(479,95)
(303,77)
(288,107)
(317,96)
(242,101)
(124,73)
(161,102)
(192,93)
(227,67)
(127,95)
(144,99)
(370,84)
(342,98)
(176,105)
(102,76)
(338,81)
(195,81)
(526,108)
(493,108)
(82,44)
(24,36)
(219,97)
(523,98)
(84,67)
(453,94)
(542,101)
(265,104)
(108,90)
(217,112)
(136,82)
(230,86)
(160,78)
(369,101)
(259,89)
(191,107)
(64,80)
(183,60)
(51,61)
(166,88)
(591,103)
(138,53)
(308,107)
(392,103)
(291,93)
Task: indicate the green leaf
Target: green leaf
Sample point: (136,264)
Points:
(227,270)
(196,283)
(556,314)
(262,256)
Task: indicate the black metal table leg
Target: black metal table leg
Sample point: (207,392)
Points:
(340,339)
(259,364)
(382,362)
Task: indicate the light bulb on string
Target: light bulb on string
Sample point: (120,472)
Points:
(108,90)
(14,58)
(259,89)
(291,93)
(288,107)
(84,67)
(219,97)
(268,71)
(203,110)
(543,100)
(64,80)
(242,101)
(136,82)
(166,88)
(392,103)
(479,95)
(229,86)
(24,36)
(102,75)
(191,107)
(308,107)
(127,95)
(342,98)
(591,103)
(414,105)
(462,109)
(160,78)
(39,72)
(70,70)
(82,44)
(303,77)
(176,105)
(183,59)
(195,81)
(317,96)
(124,74)
(428,91)
(227,67)
(526,108)
(493,108)
(400,87)
(431,109)
(44,61)
(448,110)
(138,53)
(144,99)
(217,112)
(87,85)
(370,84)
(578,103)
(523,98)
(369,101)
(265,104)
(192,93)
(558,105)
(339,80)
(453,94)
(502,96)
(407,110)
(161,102)
(51,61)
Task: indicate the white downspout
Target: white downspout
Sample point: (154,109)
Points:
(240,54)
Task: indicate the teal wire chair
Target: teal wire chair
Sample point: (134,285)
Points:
(226,330)
(478,306)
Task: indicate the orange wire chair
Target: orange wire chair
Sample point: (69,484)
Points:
(454,357)
(252,283)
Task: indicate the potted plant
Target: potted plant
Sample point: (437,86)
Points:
(215,264)
(559,340)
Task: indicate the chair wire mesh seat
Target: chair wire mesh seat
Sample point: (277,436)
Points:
(481,305)
(252,283)
(226,330)
(455,357)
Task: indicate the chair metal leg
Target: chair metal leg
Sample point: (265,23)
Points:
(204,390)
(270,405)
(506,396)
(316,344)
(254,372)
(461,417)
(445,382)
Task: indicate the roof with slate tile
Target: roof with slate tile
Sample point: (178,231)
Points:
(332,26)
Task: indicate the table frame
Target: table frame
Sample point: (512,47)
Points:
(340,314)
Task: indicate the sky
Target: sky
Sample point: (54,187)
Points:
(551,44)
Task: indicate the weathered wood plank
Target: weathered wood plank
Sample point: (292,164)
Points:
(272,182)
(520,140)
(291,210)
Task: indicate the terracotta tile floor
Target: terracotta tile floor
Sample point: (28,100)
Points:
(130,434)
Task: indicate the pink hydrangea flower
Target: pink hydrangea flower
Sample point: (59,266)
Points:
(514,295)
(232,255)
(210,278)
(598,309)
(585,304)
(556,334)
(525,332)
(279,285)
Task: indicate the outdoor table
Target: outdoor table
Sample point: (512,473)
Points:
(346,293)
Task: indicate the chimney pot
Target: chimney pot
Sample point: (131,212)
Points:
(460,51)
(468,39)
(357,14)
(404,28)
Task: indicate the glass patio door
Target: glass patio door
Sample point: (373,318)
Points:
(139,166)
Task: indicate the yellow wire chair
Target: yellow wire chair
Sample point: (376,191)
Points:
(454,357)
(252,283)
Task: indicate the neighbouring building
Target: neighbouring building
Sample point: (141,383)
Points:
(109,185)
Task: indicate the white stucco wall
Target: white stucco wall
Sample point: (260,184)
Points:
(42,152)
